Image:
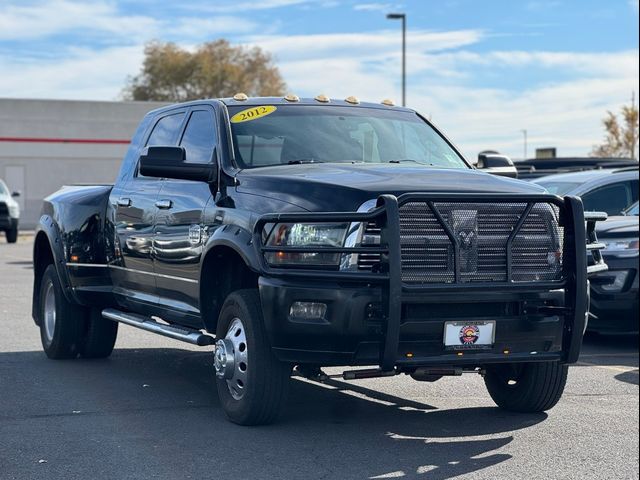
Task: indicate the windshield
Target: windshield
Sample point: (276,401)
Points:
(632,210)
(558,188)
(289,134)
(3,189)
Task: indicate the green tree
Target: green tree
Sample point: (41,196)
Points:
(621,138)
(215,69)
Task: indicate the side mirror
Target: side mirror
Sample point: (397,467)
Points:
(169,162)
(497,165)
(16,194)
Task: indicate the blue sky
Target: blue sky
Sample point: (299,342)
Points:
(483,71)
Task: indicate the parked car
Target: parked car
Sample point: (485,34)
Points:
(9,213)
(609,190)
(310,233)
(542,167)
(614,294)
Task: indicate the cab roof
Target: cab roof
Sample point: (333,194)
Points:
(255,101)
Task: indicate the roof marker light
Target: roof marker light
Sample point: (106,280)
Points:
(291,97)
(241,97)
(353,100)
(322,98)
(388,102)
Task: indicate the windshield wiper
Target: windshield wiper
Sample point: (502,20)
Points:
(410,160)
(303,160)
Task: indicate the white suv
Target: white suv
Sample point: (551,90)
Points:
(9,213)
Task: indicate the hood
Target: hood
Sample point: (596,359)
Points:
(618,226)
(344,187)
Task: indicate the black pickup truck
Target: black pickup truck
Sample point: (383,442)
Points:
(294,234)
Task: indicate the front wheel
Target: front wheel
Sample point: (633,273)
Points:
(252,383)
(526,387)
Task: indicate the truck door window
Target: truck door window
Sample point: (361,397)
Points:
(166,130)
(199,137)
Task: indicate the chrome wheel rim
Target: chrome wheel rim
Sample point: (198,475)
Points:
(231,359)
(49,313)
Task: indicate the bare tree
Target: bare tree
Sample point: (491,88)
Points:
(621,138)
(214,69)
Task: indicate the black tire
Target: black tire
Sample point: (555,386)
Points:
(99,336)
(60,337)
(267,379)
(12,235)
(527,387)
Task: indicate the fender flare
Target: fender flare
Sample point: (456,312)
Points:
(49,227)
(238,239)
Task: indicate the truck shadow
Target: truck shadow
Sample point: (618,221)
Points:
(151,400)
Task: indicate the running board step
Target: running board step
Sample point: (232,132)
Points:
(194,337)
(367,373)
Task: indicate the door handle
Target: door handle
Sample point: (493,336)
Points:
(164,204)
(124,202)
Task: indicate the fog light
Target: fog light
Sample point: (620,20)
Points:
(308,310)
(613,281)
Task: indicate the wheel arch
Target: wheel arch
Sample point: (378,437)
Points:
(226,267)
(48,250)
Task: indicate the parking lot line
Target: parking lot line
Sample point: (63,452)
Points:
(615,368)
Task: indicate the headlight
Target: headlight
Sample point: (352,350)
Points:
(14,210)
(305,235)
(622,247)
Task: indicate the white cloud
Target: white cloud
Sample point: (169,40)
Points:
(373,7)
(187,28)
(19,21)
(46,19)
(82,74)
(244,6)
(460,62)
(359,46)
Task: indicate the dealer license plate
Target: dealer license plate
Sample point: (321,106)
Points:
(469,335)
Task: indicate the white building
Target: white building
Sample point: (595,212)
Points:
(45,144)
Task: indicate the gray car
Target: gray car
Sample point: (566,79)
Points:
(609,190)
(614,294)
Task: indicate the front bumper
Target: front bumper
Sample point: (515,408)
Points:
(352,330)
(374,318)
(615,310)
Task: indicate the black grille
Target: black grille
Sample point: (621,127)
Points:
(4,210)
(483,231)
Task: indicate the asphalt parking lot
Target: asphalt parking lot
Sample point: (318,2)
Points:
(151,411)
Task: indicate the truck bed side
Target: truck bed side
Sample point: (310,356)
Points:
(71,234)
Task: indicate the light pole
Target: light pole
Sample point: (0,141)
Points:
(403,17)
(524,132)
